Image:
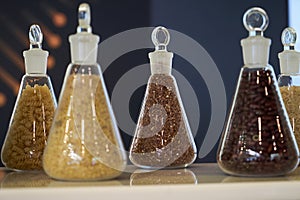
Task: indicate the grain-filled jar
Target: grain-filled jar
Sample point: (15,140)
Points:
(163,138)
(289,79)
(84,141)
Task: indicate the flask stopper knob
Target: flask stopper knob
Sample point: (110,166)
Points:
(84,18)
(255,21)
(288,38)
(35,36)
(160,38)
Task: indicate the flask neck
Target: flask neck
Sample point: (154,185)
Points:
(84,48)
(289,62)
(35,61)
(289,80)
(256,50)
(161,62)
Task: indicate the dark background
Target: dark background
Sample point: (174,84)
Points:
(215,24)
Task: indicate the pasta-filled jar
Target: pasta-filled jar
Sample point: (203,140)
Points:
(84,141)
(33,112)
(289,79)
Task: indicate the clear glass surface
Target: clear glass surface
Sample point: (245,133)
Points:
(84,141)
(163,137)
(289,86)
(30,124)
(257,139)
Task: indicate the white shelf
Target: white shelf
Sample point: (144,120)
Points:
(200,181)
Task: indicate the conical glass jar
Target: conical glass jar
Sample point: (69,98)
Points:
(84,141)
(289,79)
(163,137)
(33,112)
(257,139)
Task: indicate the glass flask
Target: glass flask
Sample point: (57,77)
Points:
(163,136)
(257,139)
(33,112)
(289,79)
(84,141)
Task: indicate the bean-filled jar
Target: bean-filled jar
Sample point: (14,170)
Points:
(257,139)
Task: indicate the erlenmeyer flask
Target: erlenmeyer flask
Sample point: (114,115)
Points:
(163,137)
(84,141)
(289,79)
(257,139)
(33,112)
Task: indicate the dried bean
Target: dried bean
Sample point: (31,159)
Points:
(262,143)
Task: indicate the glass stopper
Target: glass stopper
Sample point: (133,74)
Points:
(35,36)
(84,18)
(288,38)
(256,21)
(160,38)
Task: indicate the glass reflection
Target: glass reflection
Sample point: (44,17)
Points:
(160,177)
(25,179)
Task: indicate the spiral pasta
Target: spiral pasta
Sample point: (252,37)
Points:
(29,128)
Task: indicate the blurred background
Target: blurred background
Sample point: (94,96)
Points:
(216,25)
